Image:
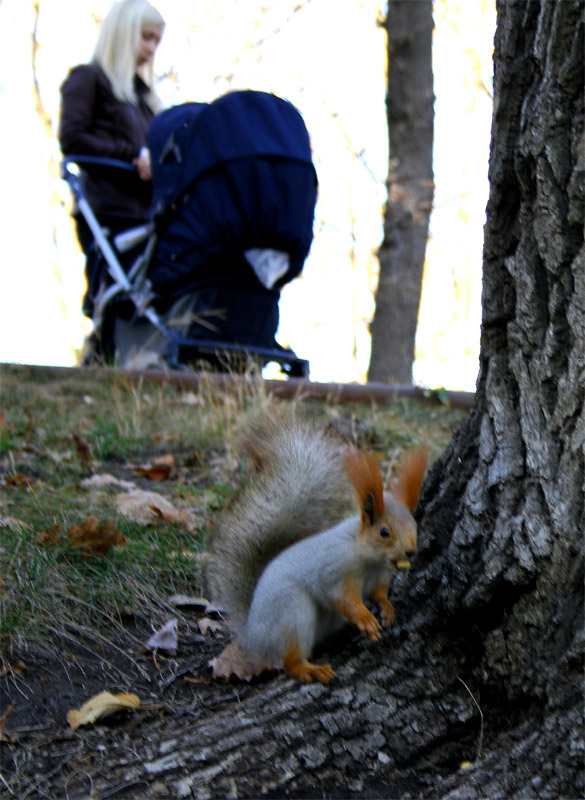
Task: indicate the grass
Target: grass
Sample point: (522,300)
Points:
(56,432)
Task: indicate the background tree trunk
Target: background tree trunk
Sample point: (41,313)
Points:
(409,102)
(485,661)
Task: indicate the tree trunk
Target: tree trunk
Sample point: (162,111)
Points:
(485,661)
(410,189)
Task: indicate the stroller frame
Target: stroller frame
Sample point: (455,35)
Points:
(135,286)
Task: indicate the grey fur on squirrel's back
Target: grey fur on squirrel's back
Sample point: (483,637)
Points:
(300,488)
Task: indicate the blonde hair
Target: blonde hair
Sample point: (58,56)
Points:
(117,46)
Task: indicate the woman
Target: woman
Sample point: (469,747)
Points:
(106,109)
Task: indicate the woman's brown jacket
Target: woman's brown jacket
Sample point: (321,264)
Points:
(94,122)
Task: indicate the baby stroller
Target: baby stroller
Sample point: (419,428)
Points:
(234,193)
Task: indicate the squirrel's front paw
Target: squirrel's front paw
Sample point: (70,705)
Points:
(387,611)
(370,626)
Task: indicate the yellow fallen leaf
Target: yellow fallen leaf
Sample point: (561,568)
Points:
(100,705)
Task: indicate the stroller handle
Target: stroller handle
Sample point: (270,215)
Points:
(97,161)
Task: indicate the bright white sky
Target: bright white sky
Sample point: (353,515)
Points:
(329,60)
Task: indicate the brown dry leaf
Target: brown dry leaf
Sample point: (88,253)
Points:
(234,662)
(82,449)
(182,517)
(156,473)
(149,508)
(101,705)
(92,538)
(53,536)
(21,480)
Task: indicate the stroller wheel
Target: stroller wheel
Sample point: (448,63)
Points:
(297,368)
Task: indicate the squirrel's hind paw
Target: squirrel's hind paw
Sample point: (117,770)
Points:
(308,672)
(305,671)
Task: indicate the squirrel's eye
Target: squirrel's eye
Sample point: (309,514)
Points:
(384,533)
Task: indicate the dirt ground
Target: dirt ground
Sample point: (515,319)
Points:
(42,755)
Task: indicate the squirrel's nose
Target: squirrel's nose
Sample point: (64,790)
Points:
(411,552)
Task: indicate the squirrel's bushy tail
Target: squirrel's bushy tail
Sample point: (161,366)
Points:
(300,487)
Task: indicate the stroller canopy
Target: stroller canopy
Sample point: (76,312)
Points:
(229,176)
(187,140)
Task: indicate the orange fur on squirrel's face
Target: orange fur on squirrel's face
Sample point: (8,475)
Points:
(392,536)
(386,522)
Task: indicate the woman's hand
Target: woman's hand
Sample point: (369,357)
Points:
(142,164)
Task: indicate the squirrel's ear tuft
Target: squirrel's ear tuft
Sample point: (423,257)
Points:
(366,477)
(408,482)
(369,508)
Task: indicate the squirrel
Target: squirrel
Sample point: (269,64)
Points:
(288,566)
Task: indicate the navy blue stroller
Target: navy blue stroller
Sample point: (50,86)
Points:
(234,193)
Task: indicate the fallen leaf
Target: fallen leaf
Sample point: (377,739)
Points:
(155,473)
(207,625)
(165,638)
(234,662)
(174,515)
(186,601)
(82,448)
(191,399)
(168,460)
(101,705)
(228,463)
(92,538)
(101,481)
(53,536)
(149,508)
(215,610)
(21,480)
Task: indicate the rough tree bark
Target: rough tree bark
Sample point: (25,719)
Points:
(409,105)
(485,661)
